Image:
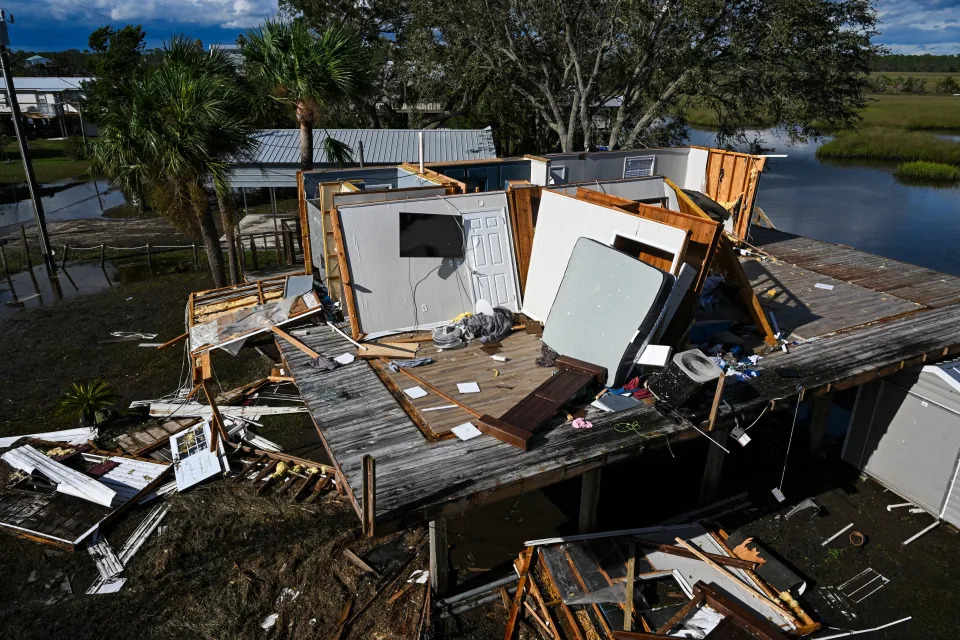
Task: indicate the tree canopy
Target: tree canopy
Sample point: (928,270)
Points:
(616,72)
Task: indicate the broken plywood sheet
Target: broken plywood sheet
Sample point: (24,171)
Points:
(195,409)
(67,480)
(193,462)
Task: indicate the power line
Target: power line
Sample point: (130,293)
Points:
(83,6)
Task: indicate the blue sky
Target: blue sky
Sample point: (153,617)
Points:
(908,26)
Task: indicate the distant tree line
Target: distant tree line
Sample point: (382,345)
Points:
(923,63)
(883,83)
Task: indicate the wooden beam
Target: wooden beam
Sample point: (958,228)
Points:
(173,341)
(439,557)
(628,601)
(217,418)
(589,500)
(526,559)
(304,225)
(442,394)
(717,398)
(818,420)
(294,342)
(737,581)
(738,563)
(369,495)
(728,262)
(346,281)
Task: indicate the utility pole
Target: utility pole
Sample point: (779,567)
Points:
(48,258)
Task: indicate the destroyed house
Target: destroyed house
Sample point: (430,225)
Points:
(613,268)
(461,333)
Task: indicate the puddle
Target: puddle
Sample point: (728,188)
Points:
(34,289)
(68,199)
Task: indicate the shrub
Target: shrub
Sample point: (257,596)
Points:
(83,401)
(947,85)
(75,148)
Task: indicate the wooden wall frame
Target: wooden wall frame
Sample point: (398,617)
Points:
(704,232)
(523,200)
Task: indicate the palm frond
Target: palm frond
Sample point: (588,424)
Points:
(336,151)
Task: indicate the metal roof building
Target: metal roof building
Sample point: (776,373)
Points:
(49,84)
(277,159)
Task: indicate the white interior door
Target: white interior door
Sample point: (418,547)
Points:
(490,258)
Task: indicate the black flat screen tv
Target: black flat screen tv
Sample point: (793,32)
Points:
(425,235)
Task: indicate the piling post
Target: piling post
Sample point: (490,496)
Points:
(3,256)
(26,247)
(63,262)
(276,246)
(196,257)
(149,262)
(103,255)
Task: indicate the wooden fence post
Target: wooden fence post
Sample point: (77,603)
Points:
(63,262)
(149,262)
(253,254)
(276,246)
(3,255)
(196,257)
(103,255)
(241,255)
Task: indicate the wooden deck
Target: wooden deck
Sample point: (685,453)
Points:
(804,310)
(502,384)
(907,281)
(859,331)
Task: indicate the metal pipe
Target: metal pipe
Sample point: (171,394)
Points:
(420,146)
(477,591)
(920,533)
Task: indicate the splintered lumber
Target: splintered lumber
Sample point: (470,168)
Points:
(249,467)
(728,263)
(358,561)
(172,341)
(737,581)
(369,495)
(738,563)
(526,558)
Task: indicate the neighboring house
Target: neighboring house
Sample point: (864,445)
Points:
(51,105)
(276,160)
(232,50)
(38,61)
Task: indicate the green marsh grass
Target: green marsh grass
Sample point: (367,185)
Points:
(921,171)
(891,144)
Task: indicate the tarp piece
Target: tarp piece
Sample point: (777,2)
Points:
(68,481)
(607,305)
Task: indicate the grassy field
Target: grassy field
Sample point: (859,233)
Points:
(906,111)
(881,143)
(50,162)
(903,111)
(933,172)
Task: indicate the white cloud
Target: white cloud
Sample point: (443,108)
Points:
(937,49)
(230,14)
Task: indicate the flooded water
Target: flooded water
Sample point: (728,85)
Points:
(34,289)
(68,199)
(860,206)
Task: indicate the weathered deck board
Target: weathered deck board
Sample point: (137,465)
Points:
(907,281)
(416,479)
(806,311)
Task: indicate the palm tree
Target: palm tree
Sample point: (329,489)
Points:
(177,127)
(217,63)
(307,72)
